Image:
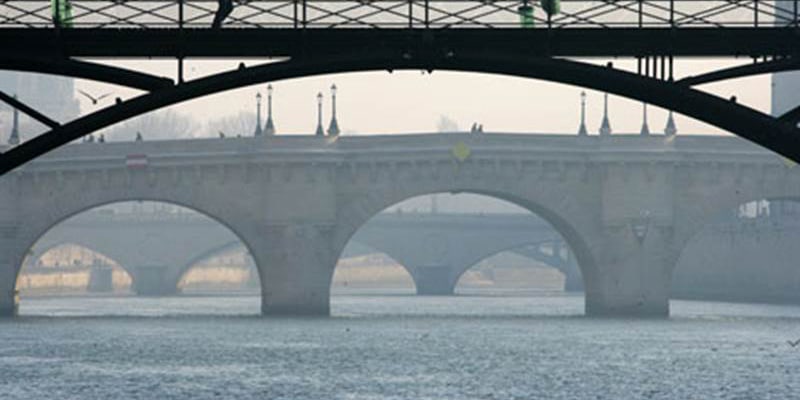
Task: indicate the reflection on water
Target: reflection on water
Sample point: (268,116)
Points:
(395,347)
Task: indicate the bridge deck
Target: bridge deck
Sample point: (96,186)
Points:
(406,148)
(578,42)
(160,28)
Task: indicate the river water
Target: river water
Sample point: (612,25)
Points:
(394,347)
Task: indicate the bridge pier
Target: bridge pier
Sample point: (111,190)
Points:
(101,279)
(153,280)
(573,280)
(435,280)
(631,279)
(296,265)
(12,256)
(9,303)
(9,298)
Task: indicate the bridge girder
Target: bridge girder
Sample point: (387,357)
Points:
(59,65)
(288,42)
(741,71)
(775,134)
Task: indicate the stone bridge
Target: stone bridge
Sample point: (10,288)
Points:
(625,205)
(158,248)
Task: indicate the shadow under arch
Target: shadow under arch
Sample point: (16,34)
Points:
(747,253)
(65,214)
(569,233)
(774,134)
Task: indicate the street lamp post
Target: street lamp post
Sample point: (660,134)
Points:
(333,128)
(14,138)
(319,132)
(605,125)
(582,129)
(671,129)
(645,128)
(269,127)
(258,131)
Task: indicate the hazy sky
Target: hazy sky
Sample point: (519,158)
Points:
(410,101)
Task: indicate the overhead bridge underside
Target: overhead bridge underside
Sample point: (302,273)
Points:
(778,134)
(290,42)
(519,38)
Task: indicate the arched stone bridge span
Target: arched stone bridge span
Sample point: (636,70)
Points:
(434,248)
(626,205)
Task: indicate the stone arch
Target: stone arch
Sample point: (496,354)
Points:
(389,256)
(208,254)
(56,245)
(565,214)
(403,259)
(105,281)
(59,210)
(722,260)
(510,249)
(743,186)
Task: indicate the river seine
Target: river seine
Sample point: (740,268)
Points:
(394,347)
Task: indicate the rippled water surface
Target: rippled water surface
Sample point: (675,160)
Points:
(395,347)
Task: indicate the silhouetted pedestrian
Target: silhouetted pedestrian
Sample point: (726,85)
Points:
(225,8)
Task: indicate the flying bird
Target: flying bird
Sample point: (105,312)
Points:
(92,98)
(794,343)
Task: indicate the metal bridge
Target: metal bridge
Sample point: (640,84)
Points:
(521,38)
(404,13)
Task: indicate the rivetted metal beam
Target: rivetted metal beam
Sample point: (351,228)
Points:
(11,100)
(741,71)
(741,120)
(86,70)
(791,117)
(287,42)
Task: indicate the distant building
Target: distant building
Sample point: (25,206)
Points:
(785,92)
(54,96)
(786,85)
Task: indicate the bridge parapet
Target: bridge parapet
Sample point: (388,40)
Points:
(413,14)
(563,149)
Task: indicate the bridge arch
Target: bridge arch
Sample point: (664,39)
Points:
(86,254)
(565,215)
(745,253)
(561,267)
(772,133)
(60,210)
(398,273)
(186,268)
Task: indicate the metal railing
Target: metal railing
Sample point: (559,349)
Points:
(300,14)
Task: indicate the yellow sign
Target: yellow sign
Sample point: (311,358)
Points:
(461,151)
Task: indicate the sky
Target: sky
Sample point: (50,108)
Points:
(412,101)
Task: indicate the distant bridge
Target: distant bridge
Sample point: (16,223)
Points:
(747,257)
(436,249)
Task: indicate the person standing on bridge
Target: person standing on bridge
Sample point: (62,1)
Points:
(225,8)
(62,13)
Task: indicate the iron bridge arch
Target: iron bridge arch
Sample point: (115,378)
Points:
(777,134)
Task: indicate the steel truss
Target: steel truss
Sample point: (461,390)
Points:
(439,14)
(778,134)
